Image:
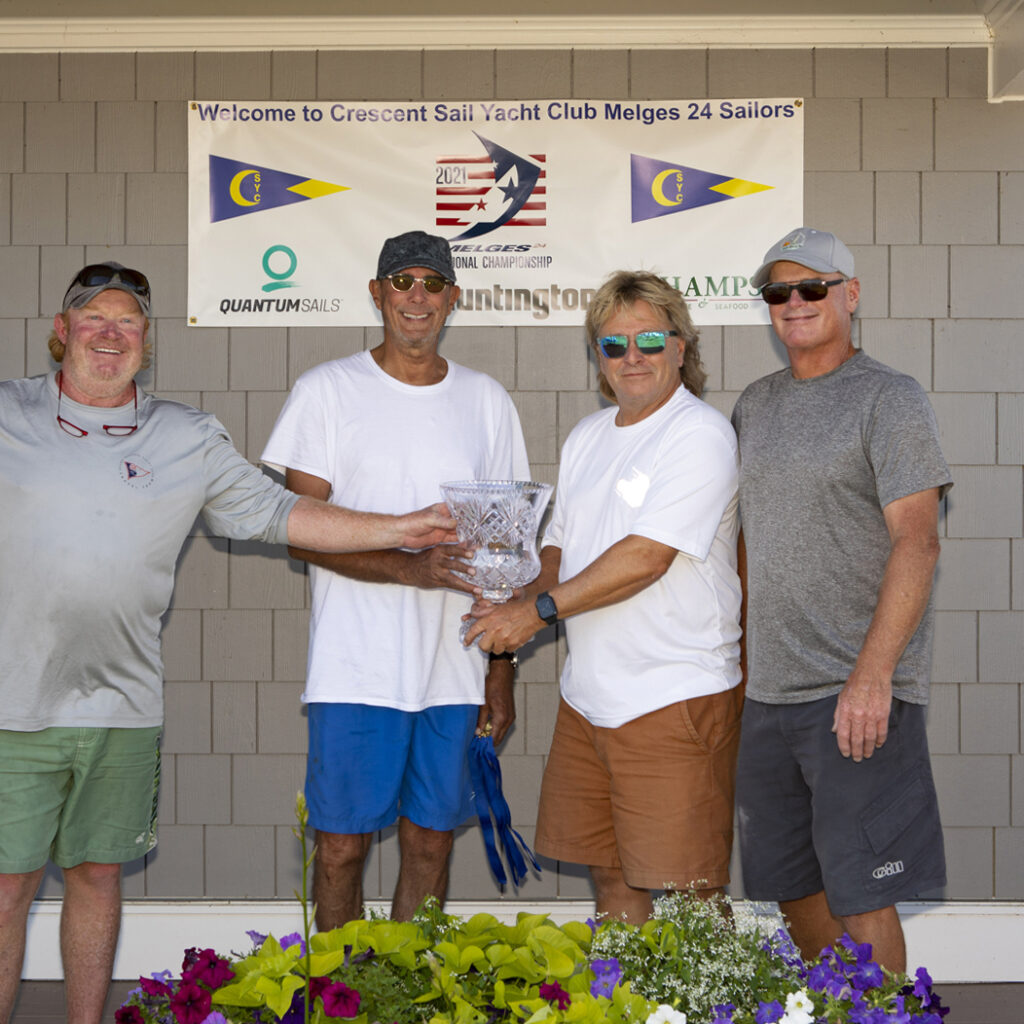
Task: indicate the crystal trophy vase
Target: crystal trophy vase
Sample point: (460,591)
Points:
(499,520)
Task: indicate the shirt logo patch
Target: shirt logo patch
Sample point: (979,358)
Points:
(137,472)
(633,489)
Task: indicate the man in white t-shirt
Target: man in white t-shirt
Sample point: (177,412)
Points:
(393,697)
(640,562)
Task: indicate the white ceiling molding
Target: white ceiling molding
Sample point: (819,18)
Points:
(1006,57)
(437,32)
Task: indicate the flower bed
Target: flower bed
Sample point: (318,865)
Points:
(689,963)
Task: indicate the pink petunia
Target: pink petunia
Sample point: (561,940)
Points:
(191,1004)
(128,1015)
(340,1000)
(208,969)
(316,987)
(154,987)
(554,993)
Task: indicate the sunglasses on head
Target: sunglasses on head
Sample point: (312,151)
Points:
(814,289)
(403,282)
(97,273)
(614,346)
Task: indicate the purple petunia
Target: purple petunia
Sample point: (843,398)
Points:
(768,1013)
(723,1013)
(295,939)
(608,973)
(554,993)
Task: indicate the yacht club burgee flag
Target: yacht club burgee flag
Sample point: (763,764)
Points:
(540,199)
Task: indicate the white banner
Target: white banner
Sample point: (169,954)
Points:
(289,203)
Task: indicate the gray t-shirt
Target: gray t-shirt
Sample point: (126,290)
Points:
(819,460)
(92,528)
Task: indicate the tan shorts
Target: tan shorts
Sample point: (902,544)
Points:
(654,796)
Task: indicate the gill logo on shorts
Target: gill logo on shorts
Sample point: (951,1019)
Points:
(892,867)
(237,188)
(659,188)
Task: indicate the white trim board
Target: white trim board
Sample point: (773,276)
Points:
(957,942)
(487,32)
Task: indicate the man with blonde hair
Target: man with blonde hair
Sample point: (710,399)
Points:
(100,485)
(639,560)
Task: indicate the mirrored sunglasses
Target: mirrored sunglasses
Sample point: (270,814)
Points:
(614,346)
(814,289)
(403,282)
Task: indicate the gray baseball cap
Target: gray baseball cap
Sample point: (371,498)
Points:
(416,249)
(817,250)
(98,277)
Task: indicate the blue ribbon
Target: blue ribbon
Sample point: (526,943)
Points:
(485,771)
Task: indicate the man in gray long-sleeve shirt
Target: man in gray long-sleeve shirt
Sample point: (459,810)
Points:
(99,487)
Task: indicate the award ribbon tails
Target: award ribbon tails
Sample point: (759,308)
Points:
(485,772)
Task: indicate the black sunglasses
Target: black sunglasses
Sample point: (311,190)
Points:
(814,289)
(99,273)
(403,282)
(614,346)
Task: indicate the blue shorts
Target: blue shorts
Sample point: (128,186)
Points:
(866,833)
(368,765)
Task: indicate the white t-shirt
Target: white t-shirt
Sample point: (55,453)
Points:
(672,478)
(386,446)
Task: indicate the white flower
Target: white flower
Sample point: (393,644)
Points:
(666,1015)
(799,1008)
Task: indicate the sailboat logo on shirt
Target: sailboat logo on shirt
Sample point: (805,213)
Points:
(136,471)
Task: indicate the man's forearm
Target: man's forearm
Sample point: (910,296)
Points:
(314,525)
(385,565)
(627,567)
(902,600)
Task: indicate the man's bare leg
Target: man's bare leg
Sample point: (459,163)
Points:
(811,924)
(90,921)
(16,894)
(424,868)
(338,877)
(616,899)
(882,929)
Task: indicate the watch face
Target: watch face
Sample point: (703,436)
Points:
(546,608)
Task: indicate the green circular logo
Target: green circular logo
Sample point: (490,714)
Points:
(279,277)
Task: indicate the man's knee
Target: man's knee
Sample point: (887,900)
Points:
(339,850)
(93,875)
(18,890)
(425,844)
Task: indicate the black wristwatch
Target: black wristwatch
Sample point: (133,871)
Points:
(546,608)
(512,657)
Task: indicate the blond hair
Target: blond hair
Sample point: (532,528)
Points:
(623,290)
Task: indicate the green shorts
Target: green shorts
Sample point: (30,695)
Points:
(72,795)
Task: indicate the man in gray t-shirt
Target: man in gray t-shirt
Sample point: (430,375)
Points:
(100,484)
(840,481)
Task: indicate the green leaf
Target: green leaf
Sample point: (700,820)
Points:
(279,996)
